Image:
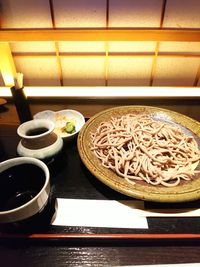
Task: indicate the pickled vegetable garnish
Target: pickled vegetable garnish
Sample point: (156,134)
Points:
(69,128)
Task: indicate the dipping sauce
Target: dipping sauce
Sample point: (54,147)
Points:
(37,131)
(19,184)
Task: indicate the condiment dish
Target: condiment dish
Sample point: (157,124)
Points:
(67,122)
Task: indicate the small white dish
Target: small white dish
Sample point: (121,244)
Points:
(60,119)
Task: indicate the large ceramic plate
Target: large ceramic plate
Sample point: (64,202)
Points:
(188,191)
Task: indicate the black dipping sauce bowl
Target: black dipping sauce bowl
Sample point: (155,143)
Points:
(27,202)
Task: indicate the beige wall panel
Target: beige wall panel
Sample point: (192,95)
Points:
(176,71)
(182,13)
(36,47)
(134,13)
(131,46)
(179,47)
(38,71)
(83,71)
(78,47)
(25,14)
(80,13)
(133,71)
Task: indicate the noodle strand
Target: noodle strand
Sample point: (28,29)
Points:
(138,147)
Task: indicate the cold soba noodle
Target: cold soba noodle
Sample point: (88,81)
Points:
(137,147)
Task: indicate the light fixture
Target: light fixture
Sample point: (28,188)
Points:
(7,65)
(101,91)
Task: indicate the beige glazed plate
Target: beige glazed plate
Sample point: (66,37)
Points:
(184,192)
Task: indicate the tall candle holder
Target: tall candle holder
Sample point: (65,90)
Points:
(20,99)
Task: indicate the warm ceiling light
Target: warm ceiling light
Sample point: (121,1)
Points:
(102,91)
(7,65)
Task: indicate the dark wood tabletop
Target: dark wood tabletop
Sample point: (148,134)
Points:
(167,240)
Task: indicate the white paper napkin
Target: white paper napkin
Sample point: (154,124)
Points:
(99,213)
(112,213)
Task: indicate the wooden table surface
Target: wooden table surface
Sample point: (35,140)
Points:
(56,251)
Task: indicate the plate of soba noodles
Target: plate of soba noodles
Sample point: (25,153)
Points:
(144,152)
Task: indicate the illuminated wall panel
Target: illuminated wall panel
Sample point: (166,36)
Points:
(80,13)
(38,71)
(25,14)
(134,13)
(83,71)
(78,47)
(176,71)
(182,13)
(27,47)
(179,47)
(133,71)
(104,63)
(131,46)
